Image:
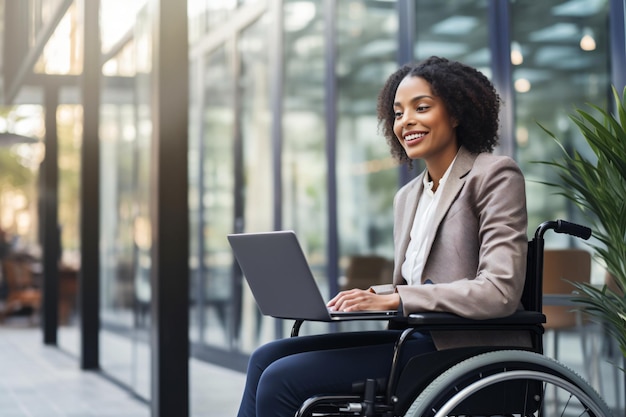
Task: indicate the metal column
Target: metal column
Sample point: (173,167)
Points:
(89,277)
(169,210)
(500,46)
(50,239)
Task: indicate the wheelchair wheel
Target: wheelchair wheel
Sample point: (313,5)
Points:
(509,382)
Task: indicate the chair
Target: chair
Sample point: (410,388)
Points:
(363,271)
(561,267)
(22,293)
(68,291)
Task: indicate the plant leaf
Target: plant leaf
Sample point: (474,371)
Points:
(598,189)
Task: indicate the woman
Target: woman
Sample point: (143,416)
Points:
(459,235)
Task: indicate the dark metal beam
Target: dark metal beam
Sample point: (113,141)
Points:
(70,80)
(89,282)
(502,73)
(277,83)
(406,43)
(50,239)
(330,98)
(617,32)
(276,101)
(406,31)
(169,209)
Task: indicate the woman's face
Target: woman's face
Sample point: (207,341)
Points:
(422,123)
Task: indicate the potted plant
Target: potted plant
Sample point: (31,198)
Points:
(598,188)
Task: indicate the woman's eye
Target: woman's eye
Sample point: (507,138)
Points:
(397,114)
(422,108)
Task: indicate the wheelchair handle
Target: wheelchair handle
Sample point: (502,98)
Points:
(563,226)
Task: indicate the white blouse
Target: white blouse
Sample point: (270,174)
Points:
(414,260)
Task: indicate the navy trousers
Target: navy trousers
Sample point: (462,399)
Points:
(282,374)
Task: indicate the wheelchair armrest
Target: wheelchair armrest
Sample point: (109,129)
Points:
(453,320)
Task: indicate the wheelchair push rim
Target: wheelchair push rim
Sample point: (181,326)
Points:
(525,375)
(469,377)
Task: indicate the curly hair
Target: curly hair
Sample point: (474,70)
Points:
(468,95)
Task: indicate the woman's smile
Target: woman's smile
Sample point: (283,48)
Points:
(413,138)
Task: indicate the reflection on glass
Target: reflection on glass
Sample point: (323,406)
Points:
(208,15)
(69,121)
(125,222)
(304,170)
(556,75)
(116,250)
(211,292)
(62,54)
(455,30)
(196,236)
(367,175)
(256,148)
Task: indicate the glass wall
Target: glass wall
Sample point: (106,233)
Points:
(231,188)
(282,108)
(254,147)
(304,166)
(18,177)
(125,132)
(69,129)
(456,30)
(212,202)
(206,16)
(561,62)
(367,175)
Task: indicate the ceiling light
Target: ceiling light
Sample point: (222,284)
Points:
(516,54)
(522,85)
(522,136)
(587,42)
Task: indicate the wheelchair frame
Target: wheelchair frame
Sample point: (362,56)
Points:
(482,380)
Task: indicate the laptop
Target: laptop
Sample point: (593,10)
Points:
(281,280)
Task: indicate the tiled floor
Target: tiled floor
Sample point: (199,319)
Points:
(43,381)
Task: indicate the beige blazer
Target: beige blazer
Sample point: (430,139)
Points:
(476,252)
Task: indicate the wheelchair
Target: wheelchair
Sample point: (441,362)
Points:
(474,381)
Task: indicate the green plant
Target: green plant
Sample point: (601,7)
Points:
(12,174)
(598,189)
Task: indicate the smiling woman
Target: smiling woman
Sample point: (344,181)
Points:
(465,213)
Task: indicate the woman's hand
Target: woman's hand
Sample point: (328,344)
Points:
(357,300)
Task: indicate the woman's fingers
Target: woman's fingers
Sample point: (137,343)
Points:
(353,300)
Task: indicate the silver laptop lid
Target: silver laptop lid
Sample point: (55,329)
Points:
(281,280)
(279,276)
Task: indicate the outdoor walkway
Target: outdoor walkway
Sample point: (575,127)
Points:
(43,381)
